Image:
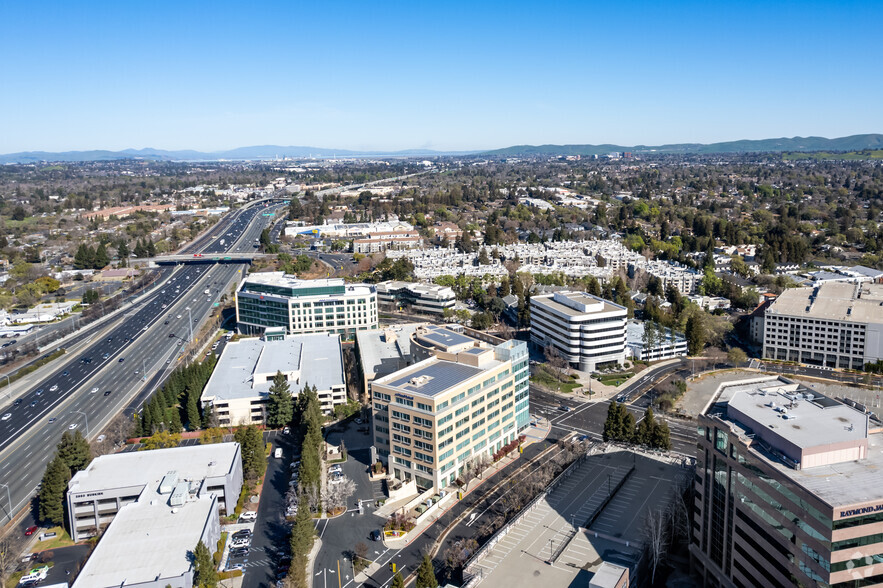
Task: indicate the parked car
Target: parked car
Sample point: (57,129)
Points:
(248,515)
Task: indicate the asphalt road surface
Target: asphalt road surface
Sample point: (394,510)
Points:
(143,344)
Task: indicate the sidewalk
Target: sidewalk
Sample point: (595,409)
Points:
(532,435)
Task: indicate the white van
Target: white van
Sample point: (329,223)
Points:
(278,453)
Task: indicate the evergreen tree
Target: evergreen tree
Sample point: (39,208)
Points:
(151,248)
(147,424)
(280,404)
(122,250)
(303,530)
(136,425)
(426,574)
(251,443)
(173,418)
(397,581)
(80,257)
(90,257)
(204,574)
(613,423)
(644,430)
(101,257)
(52,490)
(628,426)
(194,421)
(661,438)
(695,333)
(74,451)
(140,250)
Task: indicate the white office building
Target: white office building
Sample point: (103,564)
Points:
(585,329)
(275,299)
(240,384)
(422,298)
(656,344)
(834,324)
(110,483)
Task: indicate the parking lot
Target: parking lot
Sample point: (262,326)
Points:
(569,532)
(339,536)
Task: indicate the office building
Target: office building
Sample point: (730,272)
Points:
(111,482)
(654,344)
(834,324)
(787,489)
(274,299)
(421,298)
(150,542)
(240,383)
(585,330)
(384,351)
(382,241)
(466,400)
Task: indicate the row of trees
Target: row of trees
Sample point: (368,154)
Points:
(72,454)
(176,405)
(307,418)
(620,426)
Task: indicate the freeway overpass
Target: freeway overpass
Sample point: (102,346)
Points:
(199,259)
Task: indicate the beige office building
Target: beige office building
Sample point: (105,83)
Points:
(467,399)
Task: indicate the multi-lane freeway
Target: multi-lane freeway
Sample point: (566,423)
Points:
(122,358)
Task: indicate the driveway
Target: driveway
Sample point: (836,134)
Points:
(271,530)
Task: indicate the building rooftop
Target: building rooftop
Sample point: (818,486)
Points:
(577,304)
(246,367)
(785,410)
(118,470)
(430,377)
(291,285)
(385,347)
(842,301)
(821,421)
(147,540)
(443,338)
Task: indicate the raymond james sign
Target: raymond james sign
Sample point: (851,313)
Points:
(860,511)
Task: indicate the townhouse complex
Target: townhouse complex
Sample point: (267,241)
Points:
(275,299)
(787,489)
(601,258)
(834,324)
(584,329)
(465,400)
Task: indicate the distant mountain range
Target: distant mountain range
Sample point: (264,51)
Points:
(241,153)
(852,143)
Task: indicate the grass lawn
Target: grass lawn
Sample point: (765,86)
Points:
(615,380)
(62,539)
(546,380)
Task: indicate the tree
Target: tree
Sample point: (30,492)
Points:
(162,440)
(52,489)
(695,333)
(555,361)
(211,435)
(123,250)
(204,573)
(397,581)
(280,404)
(74,450)
(251,442)
(644,430)
(736,356)
(426,574)
(101,257)
(655,540)
(303,531)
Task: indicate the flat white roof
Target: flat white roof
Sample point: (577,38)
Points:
(314,359)
(119,470)
(390,345)
(147,541)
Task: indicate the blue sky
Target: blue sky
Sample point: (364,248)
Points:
(441,75)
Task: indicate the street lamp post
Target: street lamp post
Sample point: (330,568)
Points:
(85,416)
(8,498)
